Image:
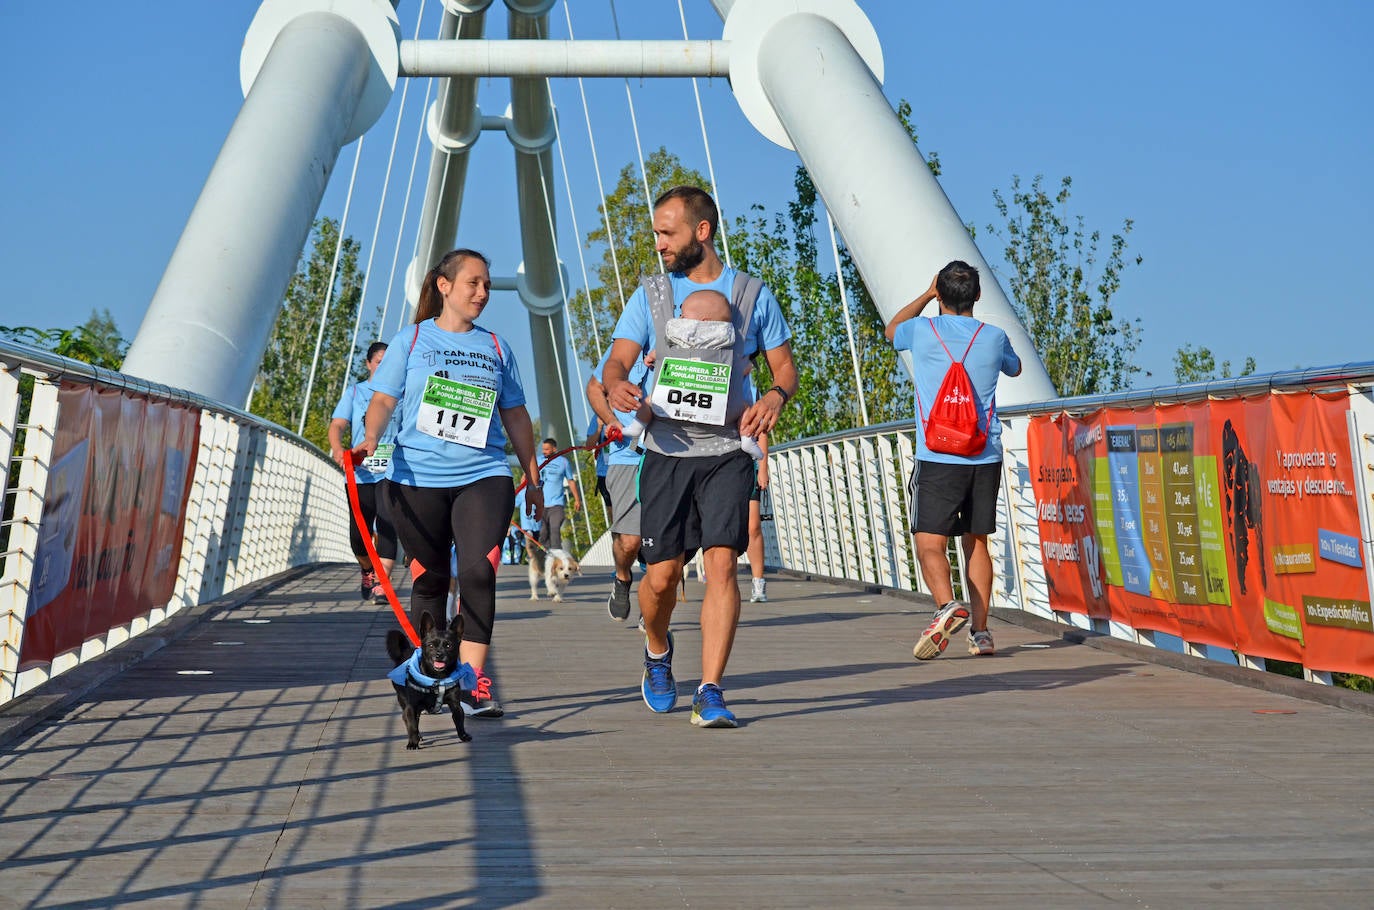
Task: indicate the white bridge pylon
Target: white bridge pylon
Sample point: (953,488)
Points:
(317,74)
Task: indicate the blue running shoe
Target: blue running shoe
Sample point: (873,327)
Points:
(659,688)
(708,708)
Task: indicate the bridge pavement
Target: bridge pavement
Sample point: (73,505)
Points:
(1052,775)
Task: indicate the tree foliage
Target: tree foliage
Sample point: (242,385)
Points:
(1063,302)
(279,391)
(627,247)
(97,341)
(784,250)
(787,254)
(1199,365)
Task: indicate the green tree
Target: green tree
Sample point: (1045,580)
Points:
(97,341)
(1064,305)
(627,250)
(787,255)
(784,251)
(279,391)
(1199,365)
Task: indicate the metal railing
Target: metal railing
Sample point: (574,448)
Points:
(260,500)
(839,502)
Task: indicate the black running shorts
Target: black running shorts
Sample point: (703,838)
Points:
(952,499)
(693,503)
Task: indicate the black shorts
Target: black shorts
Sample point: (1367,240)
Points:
(951,499)
(695,503)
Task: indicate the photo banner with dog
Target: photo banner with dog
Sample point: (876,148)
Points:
(1228,523)
(113,516)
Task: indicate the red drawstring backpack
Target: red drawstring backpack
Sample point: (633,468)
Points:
(952,426)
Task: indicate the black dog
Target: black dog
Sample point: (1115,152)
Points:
(432,678)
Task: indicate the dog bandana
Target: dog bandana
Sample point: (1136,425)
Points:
(411,676)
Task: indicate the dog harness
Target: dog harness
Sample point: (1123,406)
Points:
(409,676)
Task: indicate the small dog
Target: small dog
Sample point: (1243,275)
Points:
(431,677)
(558,570)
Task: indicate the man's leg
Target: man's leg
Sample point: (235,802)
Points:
(658,597)
(719,612)
(978,577)
(551,534)
(624,550)
(931,553)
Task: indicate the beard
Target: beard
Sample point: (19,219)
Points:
(687,258)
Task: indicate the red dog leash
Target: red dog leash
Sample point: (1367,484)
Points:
(613,434)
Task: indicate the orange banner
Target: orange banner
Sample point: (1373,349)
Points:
(110,539)
(1230,523)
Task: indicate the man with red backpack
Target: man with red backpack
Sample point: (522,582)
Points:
(956,360)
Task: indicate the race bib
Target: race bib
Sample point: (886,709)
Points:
(379,460)
(456,412)
(692,390)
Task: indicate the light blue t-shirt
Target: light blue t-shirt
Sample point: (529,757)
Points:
(527,522)
(990,356)
(624,452)
(551,478)
(476,358)
(767,329)
(353,408)
(601,452)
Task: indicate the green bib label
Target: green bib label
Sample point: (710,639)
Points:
(456,412)
(692,390)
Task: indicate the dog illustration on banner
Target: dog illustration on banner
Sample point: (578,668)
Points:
(1244,505)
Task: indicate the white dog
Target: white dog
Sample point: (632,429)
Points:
(559,569)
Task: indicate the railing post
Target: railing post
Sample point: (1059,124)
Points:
(22,545)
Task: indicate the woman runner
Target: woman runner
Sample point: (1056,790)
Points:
(458,387)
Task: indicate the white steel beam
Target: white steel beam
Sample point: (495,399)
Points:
(543,58)
(540,278)
(316,76)
(454,124)
(801,81)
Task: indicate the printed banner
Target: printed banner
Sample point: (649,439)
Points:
(1230,523)
(111,533)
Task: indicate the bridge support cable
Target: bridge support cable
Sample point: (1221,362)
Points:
(329,291)
(545,180)
(405,210)
(316,74)
(808,75)
(706,144)
(377,224)
(577,235)
(600,186)
(639,147)
(848,323)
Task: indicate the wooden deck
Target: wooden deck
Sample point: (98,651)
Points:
(1052,775)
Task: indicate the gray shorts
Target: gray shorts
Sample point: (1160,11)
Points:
(623,482)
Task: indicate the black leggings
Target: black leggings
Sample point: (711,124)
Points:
(474,518)
(372,499)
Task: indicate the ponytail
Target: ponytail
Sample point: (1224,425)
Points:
(431,302)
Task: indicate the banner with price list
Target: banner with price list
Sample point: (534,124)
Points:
(1230,523)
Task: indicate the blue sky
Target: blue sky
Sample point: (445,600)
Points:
(1235,135)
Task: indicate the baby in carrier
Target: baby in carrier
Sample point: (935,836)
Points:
(705,323)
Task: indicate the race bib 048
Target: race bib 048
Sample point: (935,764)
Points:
(456,412)
(692,390)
